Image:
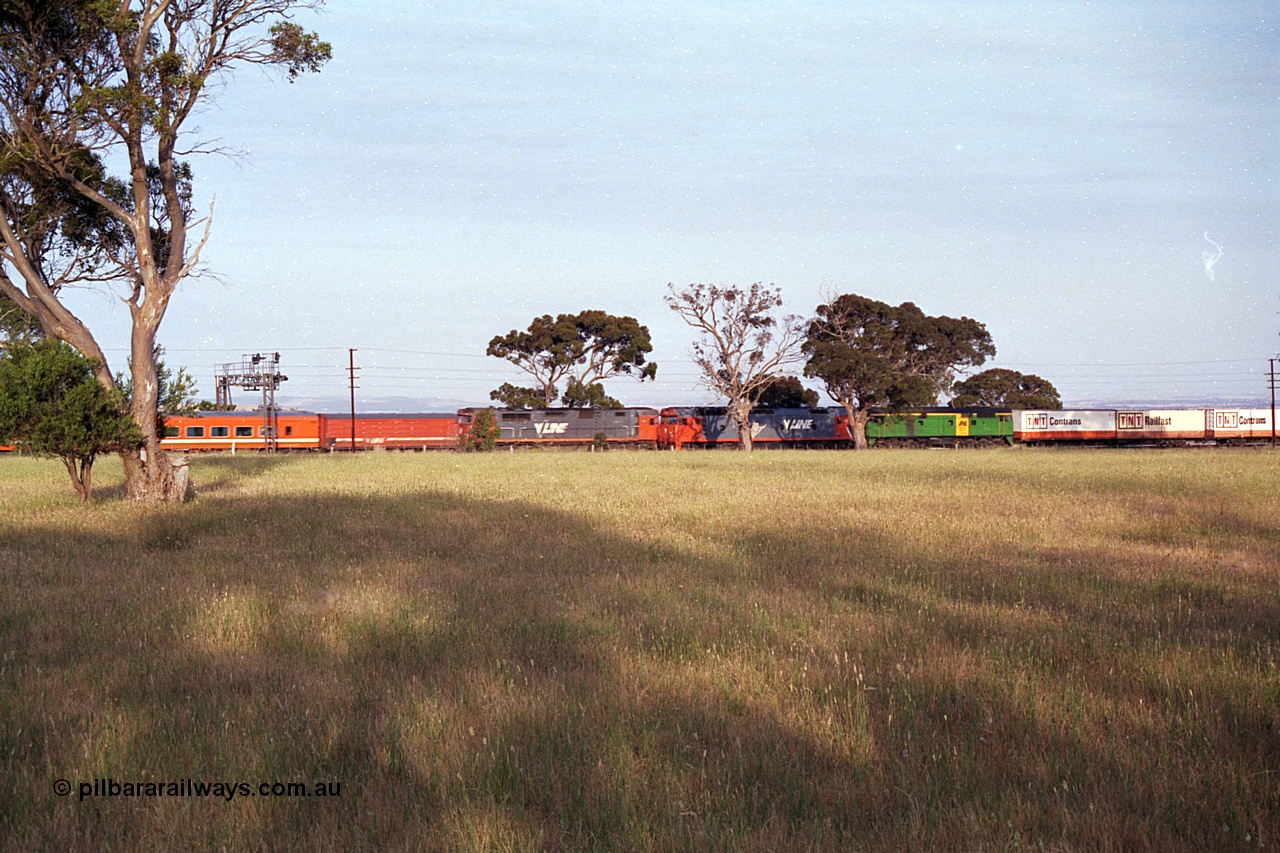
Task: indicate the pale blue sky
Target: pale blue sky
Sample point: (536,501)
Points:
(1048,169)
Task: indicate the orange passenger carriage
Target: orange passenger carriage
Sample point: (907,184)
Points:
(239,431)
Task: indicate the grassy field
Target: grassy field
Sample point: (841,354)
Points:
(1005,650)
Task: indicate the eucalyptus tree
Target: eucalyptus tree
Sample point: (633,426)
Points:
(87,83)
(1006,388)
(582,350)
(869,353)
(741,348)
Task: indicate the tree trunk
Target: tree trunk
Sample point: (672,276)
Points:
(149,477)
(148,472)
(81,479)
(741,415)
(858,427)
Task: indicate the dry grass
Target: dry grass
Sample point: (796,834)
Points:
(998,650)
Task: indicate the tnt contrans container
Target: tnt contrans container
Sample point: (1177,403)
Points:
(1033,426)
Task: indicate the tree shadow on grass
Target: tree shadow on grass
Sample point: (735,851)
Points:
(1140,682)
(496,674)
(465,670)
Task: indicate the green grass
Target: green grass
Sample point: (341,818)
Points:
(987,650)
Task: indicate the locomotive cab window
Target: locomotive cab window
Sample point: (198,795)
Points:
(195,432)
(586,413)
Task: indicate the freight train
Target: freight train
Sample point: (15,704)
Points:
(680,427)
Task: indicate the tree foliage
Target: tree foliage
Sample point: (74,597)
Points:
(741,347)
(84,83)
(787,392)
(522,397)
(484,432)
(870,353)
(1006,389)
(581,349)
(593,396)
(16,324)
(177,393)
(51,404)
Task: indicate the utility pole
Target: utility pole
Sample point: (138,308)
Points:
(1272,383)
(351,374)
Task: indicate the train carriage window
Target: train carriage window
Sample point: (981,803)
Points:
(218,432)
(288,430)
(244,432)
(195,432)
(170,432)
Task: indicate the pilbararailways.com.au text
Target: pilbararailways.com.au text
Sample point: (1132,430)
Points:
(227,791)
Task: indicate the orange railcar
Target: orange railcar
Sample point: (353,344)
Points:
(422,431)
(239,431)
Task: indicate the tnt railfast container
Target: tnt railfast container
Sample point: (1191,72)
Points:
(1237,424)
(1038,425)
(1160,425)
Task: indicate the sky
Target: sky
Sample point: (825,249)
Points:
(1094,181)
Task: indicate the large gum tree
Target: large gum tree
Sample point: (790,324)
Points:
(92,86)
(870,353)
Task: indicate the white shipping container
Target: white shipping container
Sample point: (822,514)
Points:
(1238,423)
(1064,425)
(1165,424)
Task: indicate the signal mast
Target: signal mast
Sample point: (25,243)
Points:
(253,373)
